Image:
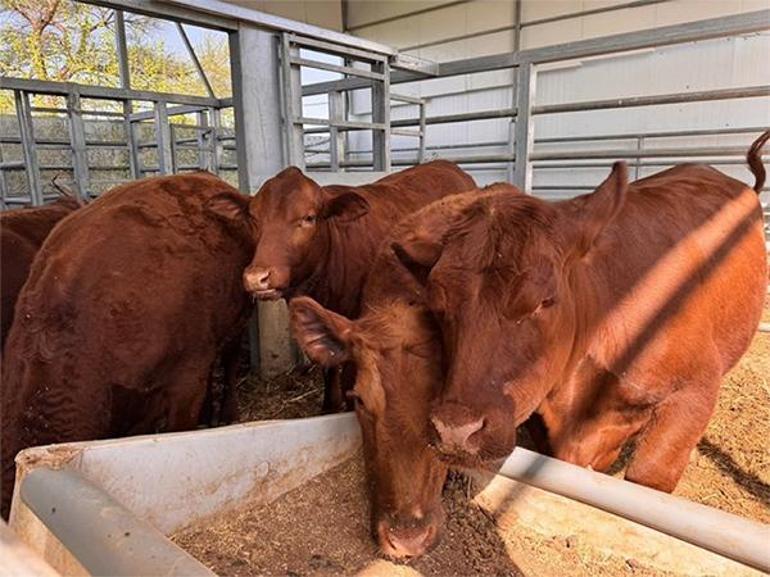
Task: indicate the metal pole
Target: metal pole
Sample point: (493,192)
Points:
(336,138)
(203,134)
(291,100)
(728,535)
(125,82)
(78,145)
(26,130)
(163,139)
(381,114)
(526,78)
(214,142)
(423,133)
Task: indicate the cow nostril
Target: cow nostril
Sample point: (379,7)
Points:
(454,437)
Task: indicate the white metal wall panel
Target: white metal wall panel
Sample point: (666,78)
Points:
(719,63)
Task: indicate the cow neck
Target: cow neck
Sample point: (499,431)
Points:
(336,280)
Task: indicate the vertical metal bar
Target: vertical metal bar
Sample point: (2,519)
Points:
(637,161)
(381,114)
(78,145)
(215,130)
(203,134)
(517,25)
(196,62)
(24,116)
(336,138)
(291,99)
(125,82)
(526,81)
(122,49)
(172,146)
(134,162)
(3,183)
(163,138)
(423,134)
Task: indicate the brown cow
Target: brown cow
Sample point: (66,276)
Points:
(125,311)
(22,232)
(396,348)
(613,315)
(321,241)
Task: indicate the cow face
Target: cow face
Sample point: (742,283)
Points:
(397,354)
(499,283)
(290,218)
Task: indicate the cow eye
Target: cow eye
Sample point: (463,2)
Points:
(308,220)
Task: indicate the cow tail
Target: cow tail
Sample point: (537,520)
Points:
(754,158)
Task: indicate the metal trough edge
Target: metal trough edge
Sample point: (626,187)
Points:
(723,533)
(105,537)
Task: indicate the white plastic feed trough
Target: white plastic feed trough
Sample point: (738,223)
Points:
(106,507)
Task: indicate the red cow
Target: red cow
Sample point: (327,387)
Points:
(396,348)
(613,315)
(125,311)
(321,241)
(22,232)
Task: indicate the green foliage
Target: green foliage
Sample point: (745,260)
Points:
(63,40)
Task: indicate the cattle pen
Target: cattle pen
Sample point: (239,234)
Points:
(349,102)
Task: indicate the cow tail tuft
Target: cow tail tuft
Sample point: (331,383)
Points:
(754,159)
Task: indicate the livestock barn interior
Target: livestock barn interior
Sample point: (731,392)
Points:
(543,94)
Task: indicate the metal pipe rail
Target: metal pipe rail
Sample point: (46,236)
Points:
(728,535)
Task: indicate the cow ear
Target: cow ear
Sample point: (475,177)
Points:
(228,205)
(598,209)
(323,335)
(418,255)
(345,207)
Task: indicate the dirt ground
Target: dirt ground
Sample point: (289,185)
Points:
(333,537)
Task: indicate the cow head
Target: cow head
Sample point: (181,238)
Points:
(396,349)
(289,217)
(500,284)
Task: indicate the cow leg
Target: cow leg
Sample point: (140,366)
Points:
(231,361)
(334,401)
(664,447)
(185,398)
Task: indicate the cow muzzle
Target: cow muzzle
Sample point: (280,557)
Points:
(265,283)
(403,542)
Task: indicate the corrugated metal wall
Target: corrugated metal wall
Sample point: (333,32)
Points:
(480,27)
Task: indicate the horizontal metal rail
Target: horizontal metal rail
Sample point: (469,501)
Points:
(733,25)
(590,105)
(347,70)
(336,49)
(340,125)
(102,92)
(119,544)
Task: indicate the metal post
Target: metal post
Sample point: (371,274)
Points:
(3,184)
(172,146)
(163,138)
(203,134)
(526,78)
(336,138)
(257,105)
(24,115)
(381,113)
(291,104)
(423,133)
(639,147)
(78,145)
(215,150)
(125,82)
